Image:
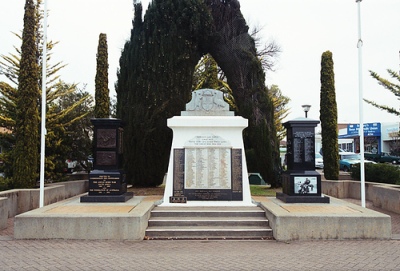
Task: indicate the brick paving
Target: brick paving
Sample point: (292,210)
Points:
(199,255)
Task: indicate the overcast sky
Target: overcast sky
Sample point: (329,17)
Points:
(303,29)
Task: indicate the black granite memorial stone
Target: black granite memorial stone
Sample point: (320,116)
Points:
(107,182)
(301,183)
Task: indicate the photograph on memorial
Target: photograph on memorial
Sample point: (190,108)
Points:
(305,185)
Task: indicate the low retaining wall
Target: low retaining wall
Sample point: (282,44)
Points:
(384,196)
(17,201)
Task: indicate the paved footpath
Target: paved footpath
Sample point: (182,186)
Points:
(198,255)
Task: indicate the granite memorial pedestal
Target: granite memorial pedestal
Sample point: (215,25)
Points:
(107,182)
(301,183)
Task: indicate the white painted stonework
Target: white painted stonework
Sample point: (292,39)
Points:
(207,141)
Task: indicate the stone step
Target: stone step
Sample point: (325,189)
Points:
(208,223)
(207,212)
(204,232)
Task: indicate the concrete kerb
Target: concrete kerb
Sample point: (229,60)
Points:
(71,219)
(3,213)
(338,220)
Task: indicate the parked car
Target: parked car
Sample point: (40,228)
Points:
(382,157)
(319,161)
(349,159)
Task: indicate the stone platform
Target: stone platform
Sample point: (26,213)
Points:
(72,219)
(339,220)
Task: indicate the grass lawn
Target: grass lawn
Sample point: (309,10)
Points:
(264,190)
(256,190)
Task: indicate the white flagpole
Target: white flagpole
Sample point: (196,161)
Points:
(43,115)
(361,111)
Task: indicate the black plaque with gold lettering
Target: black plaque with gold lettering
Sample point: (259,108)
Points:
(107,183)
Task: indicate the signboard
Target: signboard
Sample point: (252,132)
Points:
(370,129)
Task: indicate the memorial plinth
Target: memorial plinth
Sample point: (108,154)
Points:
(207,165)
(107,181)
(301,183)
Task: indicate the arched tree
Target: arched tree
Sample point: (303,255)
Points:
(328,117)
(102,94)
(155,79)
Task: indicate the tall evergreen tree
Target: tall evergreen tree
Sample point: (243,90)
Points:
(328,117)
(25,156)
(102,94)
(235,52)
(60,114)
(155,79)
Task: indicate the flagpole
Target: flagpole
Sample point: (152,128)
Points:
(361,110)
(43,115)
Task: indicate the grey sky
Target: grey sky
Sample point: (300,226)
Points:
(304,30)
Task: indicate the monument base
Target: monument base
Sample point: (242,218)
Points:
(109,198)
(302,199)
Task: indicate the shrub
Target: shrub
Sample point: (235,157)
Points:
(378,173)
(4,184)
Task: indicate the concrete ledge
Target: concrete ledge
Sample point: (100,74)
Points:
(387,198)
(71,219)
(23,200)
(384,196)
(338,220)
(3,214)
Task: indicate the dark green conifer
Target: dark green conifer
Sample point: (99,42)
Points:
(156,75)
(102,94)
(25,156)
(328,117)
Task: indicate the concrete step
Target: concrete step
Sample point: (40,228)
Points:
(208,223)
(207,212)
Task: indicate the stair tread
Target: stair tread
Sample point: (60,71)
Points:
(206,209)
(196,218)
(208,228)
(200,237)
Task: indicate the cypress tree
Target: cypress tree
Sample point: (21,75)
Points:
(25,156)
(328,117)
(102,99)
(102,96)
(60,114)
(156,74)
(154,82)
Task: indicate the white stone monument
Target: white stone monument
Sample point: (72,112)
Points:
(207,165)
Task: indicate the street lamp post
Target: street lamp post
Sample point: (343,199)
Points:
(306,108)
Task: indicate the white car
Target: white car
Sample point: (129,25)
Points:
(319,161)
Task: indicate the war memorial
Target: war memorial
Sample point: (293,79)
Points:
(207,186)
